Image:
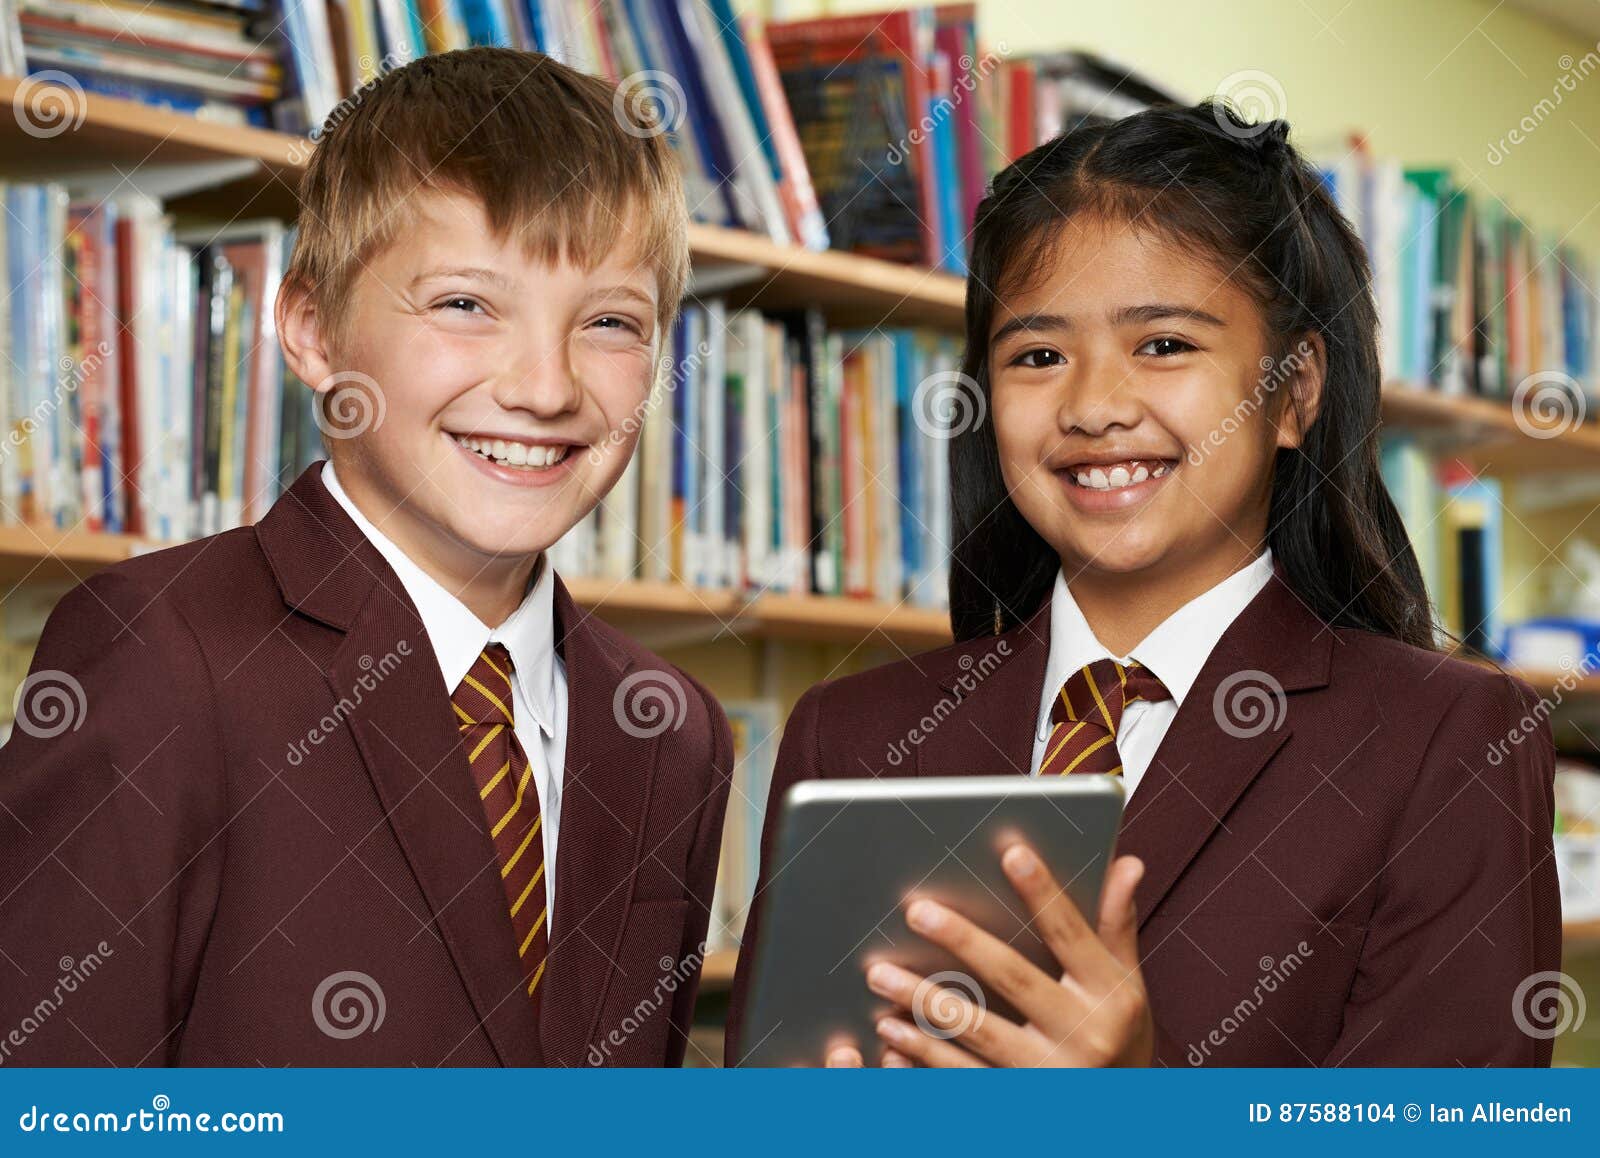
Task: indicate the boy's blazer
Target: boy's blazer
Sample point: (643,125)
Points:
(263,809)
(1354,870)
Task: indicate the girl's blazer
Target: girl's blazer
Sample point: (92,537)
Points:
(1347,840)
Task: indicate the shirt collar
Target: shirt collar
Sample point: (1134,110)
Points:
(1175,651)
(457,635)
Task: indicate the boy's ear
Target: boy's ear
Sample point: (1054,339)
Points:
(300,334)
(1307,366)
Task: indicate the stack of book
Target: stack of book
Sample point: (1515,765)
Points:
(780,455)
(214,58)
(1471,299)
(708,77)
(143,390)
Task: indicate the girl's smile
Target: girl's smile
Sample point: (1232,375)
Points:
(1114,481)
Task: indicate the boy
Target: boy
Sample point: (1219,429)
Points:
(360,784)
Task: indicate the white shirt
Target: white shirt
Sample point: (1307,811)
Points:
(458,637)
(1175,652)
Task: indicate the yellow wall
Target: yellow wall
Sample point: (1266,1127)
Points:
(1430,82)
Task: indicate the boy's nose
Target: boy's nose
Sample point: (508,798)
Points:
(542,383)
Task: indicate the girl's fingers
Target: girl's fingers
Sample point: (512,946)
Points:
(1000,968)
(1119,924)
(948,1013)
(844,1057)
(893,1059)
(908,1040)
(1059,923)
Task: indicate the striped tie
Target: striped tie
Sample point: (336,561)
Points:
(504,777)
(1086,713)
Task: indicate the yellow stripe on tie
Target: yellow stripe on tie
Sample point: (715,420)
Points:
(506,871)
(1117,771)
(537,973)
(531,932)
(485,742)
(495,779)
(490,696)
(1100,743)
(462,712)
(497,671)
(1104,711)
(1122,673)
(537,877)
(515,804)
(1064,740)
(1071,715)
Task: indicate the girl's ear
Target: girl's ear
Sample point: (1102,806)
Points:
(1306,366)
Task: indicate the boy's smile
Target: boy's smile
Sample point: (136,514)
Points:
(512,388)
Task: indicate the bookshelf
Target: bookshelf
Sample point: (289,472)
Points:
(238,172)
(119,134)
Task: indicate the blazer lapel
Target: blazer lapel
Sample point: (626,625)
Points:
(386,676)
(1201,767)
(992,684)
(1235,717)
(606,784)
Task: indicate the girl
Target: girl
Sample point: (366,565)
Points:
(1175,562)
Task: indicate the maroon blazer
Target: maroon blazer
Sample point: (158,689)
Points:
(265,791)
(1364,881)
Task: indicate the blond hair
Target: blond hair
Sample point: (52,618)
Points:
(561,163)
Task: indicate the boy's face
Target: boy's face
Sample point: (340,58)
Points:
(511,389)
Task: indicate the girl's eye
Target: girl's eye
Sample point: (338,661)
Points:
(1165,347)
(1039,358)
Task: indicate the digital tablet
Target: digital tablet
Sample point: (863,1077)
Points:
(847,855)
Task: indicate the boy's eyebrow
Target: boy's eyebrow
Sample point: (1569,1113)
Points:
(624,290)
(468,272)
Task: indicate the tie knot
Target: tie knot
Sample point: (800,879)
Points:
(484,694)
(1097,692)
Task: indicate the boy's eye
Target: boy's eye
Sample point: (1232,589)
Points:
(1165,347)
(460,303)
(616,322)
(1039,358)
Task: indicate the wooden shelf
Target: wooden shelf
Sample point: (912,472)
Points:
(45,554)
(716,974)
(120,136)
(1485,432)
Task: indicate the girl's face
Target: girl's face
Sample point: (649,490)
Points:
(1135,422)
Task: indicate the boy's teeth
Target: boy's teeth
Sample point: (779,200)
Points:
(1096,478)
(515,453)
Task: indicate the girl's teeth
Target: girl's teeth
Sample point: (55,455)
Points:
(1118,477)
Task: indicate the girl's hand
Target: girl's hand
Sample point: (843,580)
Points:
(1095,1014)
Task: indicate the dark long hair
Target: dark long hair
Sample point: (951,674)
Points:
(1241,194)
